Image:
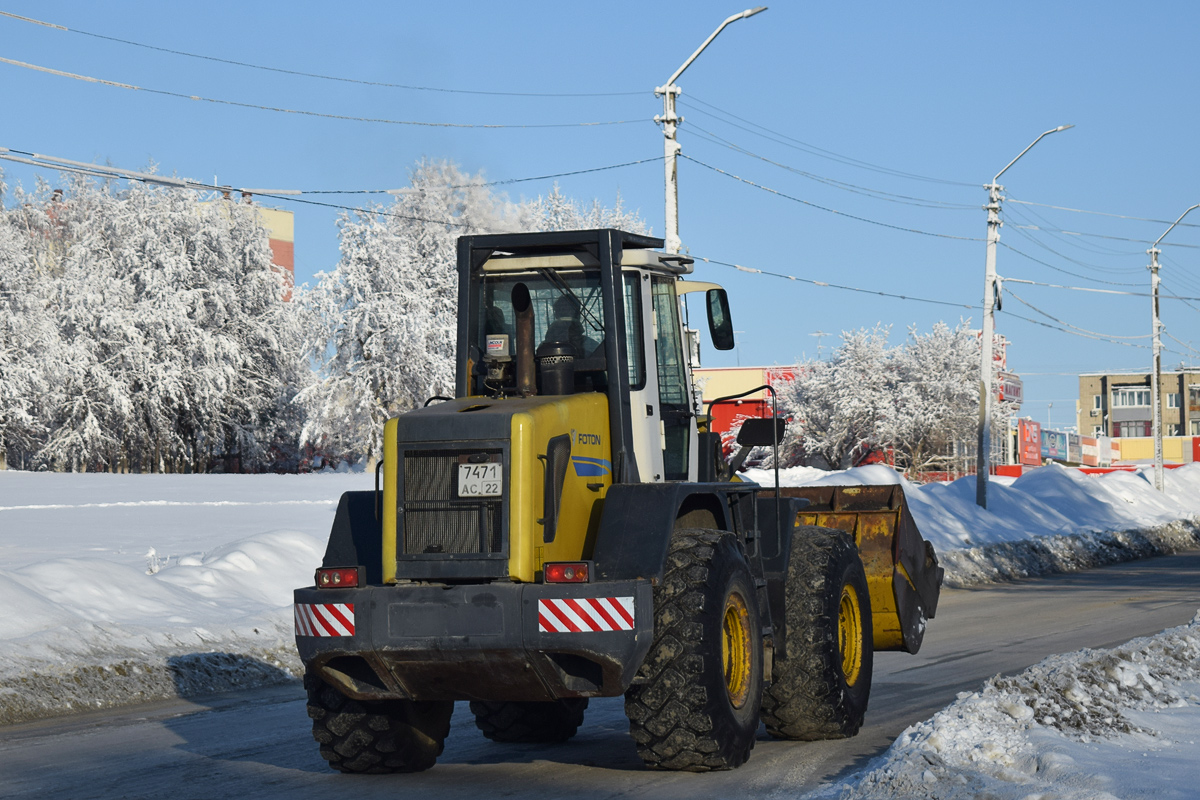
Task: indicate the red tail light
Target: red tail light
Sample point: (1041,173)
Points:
(570,572)
(337,577)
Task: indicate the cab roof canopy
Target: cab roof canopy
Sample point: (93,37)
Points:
(567,250)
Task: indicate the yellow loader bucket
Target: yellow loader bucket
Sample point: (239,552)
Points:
(903,575)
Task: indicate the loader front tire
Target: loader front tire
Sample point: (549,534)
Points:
(529,722)
(695,703)
(820,689)
(376,737)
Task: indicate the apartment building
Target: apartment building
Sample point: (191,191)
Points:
(1118,404)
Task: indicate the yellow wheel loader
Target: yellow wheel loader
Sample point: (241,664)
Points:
(563,529)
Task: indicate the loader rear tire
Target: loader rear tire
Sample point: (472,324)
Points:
(695,703)
(529,722)
(376,737)
(820,690)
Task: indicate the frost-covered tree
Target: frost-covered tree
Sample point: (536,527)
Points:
(386,337)
(167,341)
(27,339)
(840,406)
(920,399)
(557,212)
(935,394)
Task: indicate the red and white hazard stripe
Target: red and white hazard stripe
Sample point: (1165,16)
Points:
(324,619)
(585,614)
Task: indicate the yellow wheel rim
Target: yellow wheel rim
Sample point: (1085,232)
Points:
(736,649)
(850,635)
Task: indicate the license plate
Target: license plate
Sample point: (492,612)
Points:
(480,480)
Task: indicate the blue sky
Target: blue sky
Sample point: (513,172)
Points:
(892,113)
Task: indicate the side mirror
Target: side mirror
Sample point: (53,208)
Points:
(758,432)
(720,324)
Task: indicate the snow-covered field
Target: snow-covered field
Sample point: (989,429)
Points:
(119,588)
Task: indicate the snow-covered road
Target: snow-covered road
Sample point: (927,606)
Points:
(259,743)
(120,589)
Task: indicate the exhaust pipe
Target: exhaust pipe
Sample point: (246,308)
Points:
(526,369)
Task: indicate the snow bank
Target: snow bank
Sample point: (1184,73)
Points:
(121,589)
(1051,519)
(1067,727)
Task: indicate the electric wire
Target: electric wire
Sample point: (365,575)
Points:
(825,208)
(1099,248)
(1115,339)
(1007,246)
(1098,291)
(849,187)
(108,172)
(755,271)
(1073,333)
(1182,344)
(789,141)
(1089,265)
(306,113)
(1181,273)
(1010,199)
(197,185)
(299,73)
(1105,236)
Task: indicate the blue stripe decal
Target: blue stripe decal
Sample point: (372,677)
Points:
(591,467)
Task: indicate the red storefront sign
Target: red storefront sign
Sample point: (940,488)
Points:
(1029,435)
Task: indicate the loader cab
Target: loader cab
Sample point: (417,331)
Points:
(589,312)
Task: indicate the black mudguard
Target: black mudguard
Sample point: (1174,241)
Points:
(357,536)
(636,524)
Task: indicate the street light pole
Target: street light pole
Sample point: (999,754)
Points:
(1156,375)
(670,122)
(984,455)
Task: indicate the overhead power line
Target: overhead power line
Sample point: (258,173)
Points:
(849,187)
(1182,344)
(1185,302)
(102,170)
(505,182)
(789,141)
(813,282)
(301,112)
(824,208)
(1101,236)
(288,195)
(1032,216)
(1007,246)
(1073,333)
(1075,328)
(1098,291)
(299,73)
(1011,199)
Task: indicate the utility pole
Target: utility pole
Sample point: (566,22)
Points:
(671,122)
(1156,374)
(984,441)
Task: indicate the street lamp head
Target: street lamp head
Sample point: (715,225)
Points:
(750,12)
(1027,149)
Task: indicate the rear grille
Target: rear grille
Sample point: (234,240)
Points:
(435,519)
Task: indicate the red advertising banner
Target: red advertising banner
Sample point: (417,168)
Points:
(1196,448)
(1029,437)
